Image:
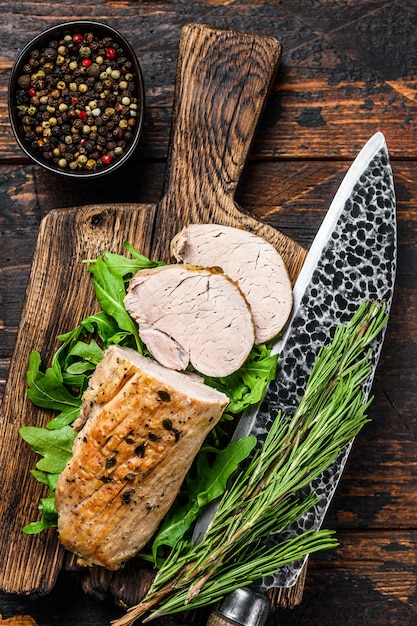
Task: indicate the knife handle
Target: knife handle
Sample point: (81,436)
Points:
(218,620)
(242,607)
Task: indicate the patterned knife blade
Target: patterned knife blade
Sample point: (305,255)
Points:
(352,258)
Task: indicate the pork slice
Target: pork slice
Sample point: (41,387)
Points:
(250,261)
(189,314)
(142,426)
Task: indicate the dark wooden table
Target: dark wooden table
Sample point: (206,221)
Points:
(349,68)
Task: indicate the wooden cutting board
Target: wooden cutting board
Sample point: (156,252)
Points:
(223,78)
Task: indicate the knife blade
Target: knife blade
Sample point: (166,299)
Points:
(352,258)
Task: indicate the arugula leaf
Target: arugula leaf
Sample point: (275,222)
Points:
(89,355)
(46,478)
(208,484)
(49,517)
(77,357)
(110,292)
(111,272)
(210,480)
(62,385)
(100,323)
(64,418)
(47,389)
(247,386)
(55,446)
(121,266)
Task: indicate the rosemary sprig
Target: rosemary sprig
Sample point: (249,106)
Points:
(263,500)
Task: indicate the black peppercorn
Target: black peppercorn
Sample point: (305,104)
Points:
(24,81)
(140,450)
(89,146)
(22,96)
(118,133)
(29,136)
(110,462)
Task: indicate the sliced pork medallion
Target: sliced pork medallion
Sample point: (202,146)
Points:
(188,314)
(248,259)
(141,427)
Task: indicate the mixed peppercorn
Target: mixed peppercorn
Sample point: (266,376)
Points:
(78,102)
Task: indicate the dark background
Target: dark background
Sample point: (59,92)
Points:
(348,69)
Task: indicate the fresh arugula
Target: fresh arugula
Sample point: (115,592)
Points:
(47,390)
(247,386)
(204,484)
(55,448)
(110,292)
(61,386)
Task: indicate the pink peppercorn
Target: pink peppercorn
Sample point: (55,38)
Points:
(111,53)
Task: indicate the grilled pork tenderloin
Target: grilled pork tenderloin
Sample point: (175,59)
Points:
(249,260)
(141,426)
(189,314)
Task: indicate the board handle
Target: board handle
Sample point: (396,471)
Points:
(223,78)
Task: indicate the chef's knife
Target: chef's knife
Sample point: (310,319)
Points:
(352,258)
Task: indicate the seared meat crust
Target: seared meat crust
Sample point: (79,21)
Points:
(141,426)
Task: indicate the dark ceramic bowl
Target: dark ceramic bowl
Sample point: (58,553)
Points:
(76,99)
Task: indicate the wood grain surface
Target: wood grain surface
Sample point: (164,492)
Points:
(223,78)
(348,68)
(59,295)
